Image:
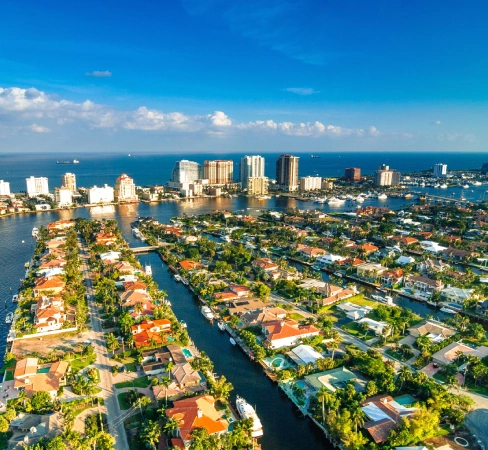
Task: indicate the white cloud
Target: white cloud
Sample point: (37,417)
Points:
(437,122)
(39,128)
(220,119)
(23,107)
(99,74)
(301,91)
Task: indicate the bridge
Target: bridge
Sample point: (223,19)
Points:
(145,249)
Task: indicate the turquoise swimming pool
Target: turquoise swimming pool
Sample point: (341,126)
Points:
(43,370)
(187,353)
(405,400)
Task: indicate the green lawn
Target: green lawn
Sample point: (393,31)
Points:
(130,363)
(396,355)
(296,316)
(361,301)
(142,382)
(122,398)
(81,363)
(9,376)
(354,329)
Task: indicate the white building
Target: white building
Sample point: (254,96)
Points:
(63,196)
(387,177)
(257,185)
(251,167)
(310,183)
(125,189)
(377,327)
(328,259)
(98,195)
(440,170)
(185,171)
(37,186)
(4,188)
(68,180)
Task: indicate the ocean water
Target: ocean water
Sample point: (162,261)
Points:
(152,169)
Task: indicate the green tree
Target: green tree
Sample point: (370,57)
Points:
(150,433)
(3,425)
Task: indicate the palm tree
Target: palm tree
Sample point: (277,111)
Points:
(170,426)
(358,417)
(112,342)
(334,345)
(405,374)
(165,382)
(150,433)
(322,396)
(221,389)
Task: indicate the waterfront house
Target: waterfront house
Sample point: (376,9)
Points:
(60,226)
(329,259)
(110,256)
(373,325)
(196,412)
(246,305)
(188,264)
(56,243)
(257,318)
(107,239)
(308,252)
(154,361)
(450,353)
(225,296)
(240,290)
(368,249)
(285,333)
(57,263)
(432,247)
(458,254)
(333,294)
(457,295)
(434,330)
(49,314)
(404,260)
(137,286)
(53,284)
(186,377)
(149,331)
(335,379)
(28,377)
(392,277)
(432,266)
(423,286)
(124,267)
(265,264)
(384,414)
(370,270)
(304,354)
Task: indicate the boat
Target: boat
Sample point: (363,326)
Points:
(148,270)
(9,317)
(183,324)
(360,199)
(75,161)
(321,200)
(338,274)
(382,197)
(314,156)
(315,267)
(386,299)
(15,298)
(466,186)
(221,325)
(35,232)
(177,278)
(184,281)
(26,265)
(246,411)
(335,201)
(443,186)
(448,310)
(477,183)
(232,341)
(207,312)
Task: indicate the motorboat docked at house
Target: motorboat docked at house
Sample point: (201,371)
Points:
(448,310)
(221,325)
(321,200)
(148,270)
(177,278)
(335,201)
(207,312)
(232,341)
(136,232)
(246,411)
(466,186)
(386,299)
(35,232)
(382,197)
(443,186)
(477,183)
(15,298)
(183,324)
(26,265)
(9,317)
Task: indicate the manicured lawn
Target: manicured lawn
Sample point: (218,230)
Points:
(354,329)
(296,316)
(142,382)
(81,363)
(122,398)
(361,301)
(9,376)
(130,363)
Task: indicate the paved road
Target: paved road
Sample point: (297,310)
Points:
(114,415)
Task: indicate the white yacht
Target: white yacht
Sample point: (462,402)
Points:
(360,199)
(148,270)
(221,325)
(207,312)
(177,278)
(382,197)
(477,183)
(35,232)
(183,324)
(246,411)
(9,317)
(321,200)
(15,298)
(386,299)
(443,186)
(466,186)
(334,201)
(233,342)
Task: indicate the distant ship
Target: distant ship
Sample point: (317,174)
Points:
(75,161)
(314,156)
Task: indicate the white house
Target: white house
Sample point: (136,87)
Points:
(377,327)
(404,260)
(457,295)
(432,247)
(329,259)
(285,333)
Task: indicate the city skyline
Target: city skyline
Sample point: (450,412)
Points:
(152,80)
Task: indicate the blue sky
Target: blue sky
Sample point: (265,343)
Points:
(219,75)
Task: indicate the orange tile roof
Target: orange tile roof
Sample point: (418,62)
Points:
(49,283)
(188,264)
(134,286)
(280,329)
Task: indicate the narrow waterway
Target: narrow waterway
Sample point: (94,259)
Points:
(284,427)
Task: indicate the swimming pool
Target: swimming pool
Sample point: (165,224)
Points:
(43,370)
(187,353)
(405,400)
(278,362)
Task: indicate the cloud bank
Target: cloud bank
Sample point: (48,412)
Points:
(99,74)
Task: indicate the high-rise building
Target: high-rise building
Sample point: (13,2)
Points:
(97,195)
(251,166)
(220,171)
(310,183)
(185,171)
(440,170)
(257,185)
(287,172)
(4,188)
(386,177)
(352,174)
(125,189)
(37,186)
(327,185)
(63,196)
(68,180)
